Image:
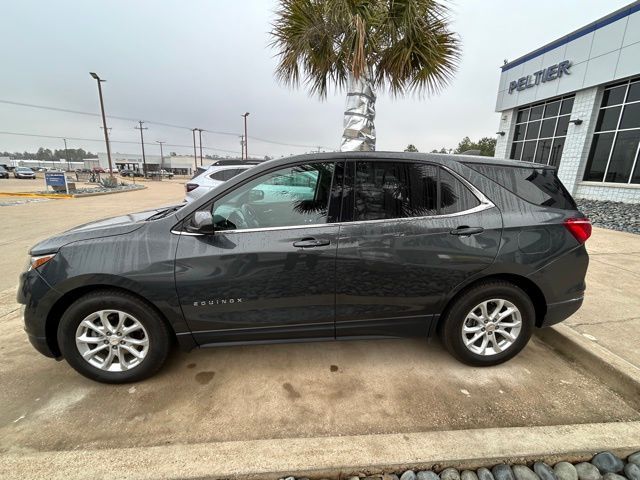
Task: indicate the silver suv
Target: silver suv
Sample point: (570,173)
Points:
(210,178)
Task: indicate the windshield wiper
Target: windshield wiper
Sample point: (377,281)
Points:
(164,213)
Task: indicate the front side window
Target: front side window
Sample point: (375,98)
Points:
(292,196)
(388,190)
(541,130)
(614,150)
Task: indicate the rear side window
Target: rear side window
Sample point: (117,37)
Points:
(454,196)
(394,190)
(387,190)
(540,186)
(224,175)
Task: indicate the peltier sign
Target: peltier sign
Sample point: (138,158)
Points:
(545,75)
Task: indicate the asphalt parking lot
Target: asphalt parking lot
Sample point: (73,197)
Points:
(278,391)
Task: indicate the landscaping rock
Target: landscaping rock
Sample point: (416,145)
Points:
(620,216)
(503,472)
(544,471)
(485,474)
(522,472)
(565,471)
(468,475)
(408,475)
(427,475)
(607,462)
(587,471)
(613,476)
(450,474)
(632,471)
(634,458)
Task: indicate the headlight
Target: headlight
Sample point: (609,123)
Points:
(40,260)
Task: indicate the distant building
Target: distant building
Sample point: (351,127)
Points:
(178,164)
(575,104)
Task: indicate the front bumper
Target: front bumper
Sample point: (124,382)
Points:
(37,298)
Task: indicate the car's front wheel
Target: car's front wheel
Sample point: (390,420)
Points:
(113,337)
(488,324)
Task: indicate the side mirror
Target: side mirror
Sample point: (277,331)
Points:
(256,195)
(201,222)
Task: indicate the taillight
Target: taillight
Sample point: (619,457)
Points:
(580,228)
(191,186)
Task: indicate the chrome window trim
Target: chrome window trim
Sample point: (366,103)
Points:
(485,204)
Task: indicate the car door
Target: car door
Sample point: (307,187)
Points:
(410,233)
(268,270)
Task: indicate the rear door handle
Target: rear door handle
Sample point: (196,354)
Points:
(467,230)
(310,243)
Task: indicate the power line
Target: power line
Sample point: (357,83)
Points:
(79,139)
(163,124)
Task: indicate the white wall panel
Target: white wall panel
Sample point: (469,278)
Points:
(608,38)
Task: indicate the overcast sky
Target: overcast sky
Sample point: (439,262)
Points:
(203,63)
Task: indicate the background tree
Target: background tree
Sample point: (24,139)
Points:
(486,145)
(364,45)
(411,148)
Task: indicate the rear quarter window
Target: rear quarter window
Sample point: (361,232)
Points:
(540,186)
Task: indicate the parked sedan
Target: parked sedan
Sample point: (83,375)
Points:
(24,172)
(126,172)
(3,172)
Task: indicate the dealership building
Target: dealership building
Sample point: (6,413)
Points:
(575,104)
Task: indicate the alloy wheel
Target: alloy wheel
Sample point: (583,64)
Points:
(112,340)
(491,327)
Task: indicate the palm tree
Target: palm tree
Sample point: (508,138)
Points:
(364,45)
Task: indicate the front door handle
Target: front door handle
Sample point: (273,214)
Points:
(467,230)
(311,243)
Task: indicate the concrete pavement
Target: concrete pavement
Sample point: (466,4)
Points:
(610,314)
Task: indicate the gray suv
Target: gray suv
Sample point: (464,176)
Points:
(317,247)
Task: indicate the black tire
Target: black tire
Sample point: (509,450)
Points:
(159,336)
(451,331)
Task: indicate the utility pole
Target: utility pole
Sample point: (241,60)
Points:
(144,159)
(246,138)
(200,135)
(242,145)
(66,154)
(161,158)
(195,153)
(104,120)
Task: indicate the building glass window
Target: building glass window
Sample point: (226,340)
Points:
(616,142)
(541,130)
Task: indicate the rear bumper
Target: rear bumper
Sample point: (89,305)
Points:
(557,312)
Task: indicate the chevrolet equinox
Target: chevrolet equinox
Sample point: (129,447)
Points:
(330,246)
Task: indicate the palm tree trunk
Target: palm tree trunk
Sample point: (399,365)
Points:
(359,115)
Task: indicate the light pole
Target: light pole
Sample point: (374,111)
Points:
(195,153)
(246,143)
(104,120)
(66,154)
(161,157)
(144,160)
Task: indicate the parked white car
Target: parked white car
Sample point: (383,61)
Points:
(212,177)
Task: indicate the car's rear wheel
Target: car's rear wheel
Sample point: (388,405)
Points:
(488,324)
(113,337)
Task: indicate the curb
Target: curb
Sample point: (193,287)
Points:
(35,195)
(97,194)
(67,195)
(615,372)
(332,457)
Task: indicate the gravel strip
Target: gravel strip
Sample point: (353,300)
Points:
(624,217)
(603,466)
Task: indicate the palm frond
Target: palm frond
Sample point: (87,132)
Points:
(406,43)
